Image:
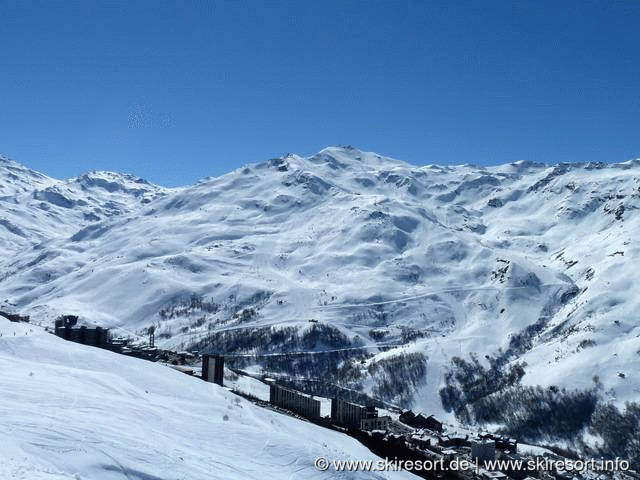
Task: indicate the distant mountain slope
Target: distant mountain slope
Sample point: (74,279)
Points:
(394,268)
(36,208)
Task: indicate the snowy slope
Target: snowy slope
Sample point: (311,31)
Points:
(348,249)
(36,208)
(75,412)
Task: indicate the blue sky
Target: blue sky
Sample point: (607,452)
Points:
(177,91)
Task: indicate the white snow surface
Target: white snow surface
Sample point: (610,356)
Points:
(72,412)
(449,260)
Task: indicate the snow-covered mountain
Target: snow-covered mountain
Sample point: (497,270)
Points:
(392,267)
(36,208)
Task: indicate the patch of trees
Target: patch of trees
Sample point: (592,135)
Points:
(378,334)
(244,310)
(586,343)
(195,303)
(523,341)
(536,413)
(397,377)
(469,381)
(480,395)
(409,334)
(318,351)
(337,368)
(376,316)
(493,394)
(619,430)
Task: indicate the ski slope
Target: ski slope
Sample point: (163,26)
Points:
(70,412)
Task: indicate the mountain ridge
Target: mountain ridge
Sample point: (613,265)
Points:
(525,262)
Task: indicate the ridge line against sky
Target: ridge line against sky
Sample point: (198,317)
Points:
(179,91)
(349,148)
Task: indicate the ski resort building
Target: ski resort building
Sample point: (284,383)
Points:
(350,414)
(483,450)
(295,401)
(420,421)
(65,327)
(375,423)
(213,369)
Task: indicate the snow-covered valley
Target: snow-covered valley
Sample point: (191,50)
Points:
(391,268)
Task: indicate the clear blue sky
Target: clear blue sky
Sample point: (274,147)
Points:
(175,91)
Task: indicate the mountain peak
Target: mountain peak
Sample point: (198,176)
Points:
(112,182)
